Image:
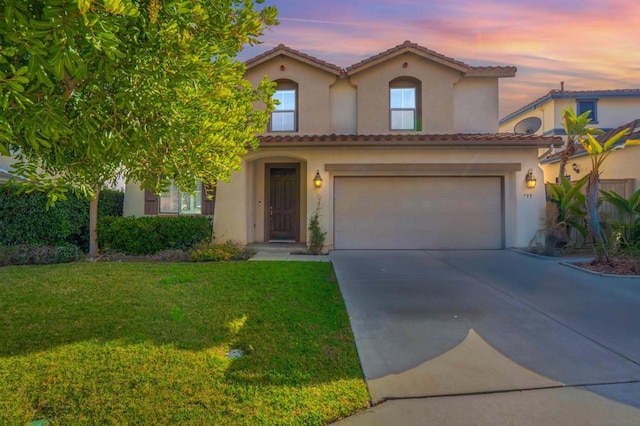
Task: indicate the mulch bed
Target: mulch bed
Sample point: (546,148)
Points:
(620,265)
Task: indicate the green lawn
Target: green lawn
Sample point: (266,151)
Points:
(146,343)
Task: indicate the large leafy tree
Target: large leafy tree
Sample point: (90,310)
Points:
(148,90)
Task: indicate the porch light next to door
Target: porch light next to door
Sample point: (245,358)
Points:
(317,181)
(530,179)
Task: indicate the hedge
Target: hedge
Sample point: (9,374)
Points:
(152,234)
(24,219)
(38,255)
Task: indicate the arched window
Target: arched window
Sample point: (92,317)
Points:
(405,106)
(284,118)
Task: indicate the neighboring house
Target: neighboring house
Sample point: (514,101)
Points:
(620,171)
(5,165)
(406,149)
(609,109)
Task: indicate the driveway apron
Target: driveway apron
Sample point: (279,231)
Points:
(462,323)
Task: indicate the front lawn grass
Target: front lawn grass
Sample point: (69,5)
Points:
(147,343)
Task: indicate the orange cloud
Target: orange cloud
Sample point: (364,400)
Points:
(588,44)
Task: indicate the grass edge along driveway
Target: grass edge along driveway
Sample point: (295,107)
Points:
(146,343)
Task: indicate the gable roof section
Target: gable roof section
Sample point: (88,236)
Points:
(282,50)
(409,47)
(406,47)
(577,94)
(477,140)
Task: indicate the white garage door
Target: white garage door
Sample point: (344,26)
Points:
(418,213)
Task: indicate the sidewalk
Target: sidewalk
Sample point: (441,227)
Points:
(285,252)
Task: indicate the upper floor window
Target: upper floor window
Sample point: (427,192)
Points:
(284,118)
(585,105)
(405,105)
(173,201)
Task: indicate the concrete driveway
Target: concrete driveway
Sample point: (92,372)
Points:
(491,337)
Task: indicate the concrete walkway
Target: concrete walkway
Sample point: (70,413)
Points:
(285,252)
(491,337)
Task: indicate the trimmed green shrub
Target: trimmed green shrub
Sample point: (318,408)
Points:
(211,252)
(152,234)
(24,219)
(110,203)
(38,255)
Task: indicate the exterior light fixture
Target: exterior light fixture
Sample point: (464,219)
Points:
(317,181)
(530,179)
(575,168)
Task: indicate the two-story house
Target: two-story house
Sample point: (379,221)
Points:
(398,151)
(610,110)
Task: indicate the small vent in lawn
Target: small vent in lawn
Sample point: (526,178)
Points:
(235,353)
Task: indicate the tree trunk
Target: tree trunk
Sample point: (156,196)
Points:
(93,225)
(568,151)
(210,197)
(593,219)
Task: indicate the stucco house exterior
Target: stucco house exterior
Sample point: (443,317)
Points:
(610,110)
(5,166)
(406,148)
(620,173)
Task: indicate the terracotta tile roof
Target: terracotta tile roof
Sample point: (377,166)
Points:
(559,94)
(405,46)
(408,46)
(281,49)
(459,139)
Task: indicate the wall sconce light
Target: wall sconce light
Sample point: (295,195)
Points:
(317,181)
(530,179)
(575,168)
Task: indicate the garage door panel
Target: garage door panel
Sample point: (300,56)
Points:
(418,212)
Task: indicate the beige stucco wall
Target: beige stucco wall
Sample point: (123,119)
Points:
(621,164)
(475,107)
(615,112)
(344,119)
(612,112)
(6,162)
(314,112)
(133,200)
(246,190)
(437,94)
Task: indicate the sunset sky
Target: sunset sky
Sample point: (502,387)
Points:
(588,44)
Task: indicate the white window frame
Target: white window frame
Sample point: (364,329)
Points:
(283,113)
(408,108)
(173,201)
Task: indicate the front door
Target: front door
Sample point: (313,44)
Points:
(283,215)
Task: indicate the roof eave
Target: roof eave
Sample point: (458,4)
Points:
(357,68)
(389,142)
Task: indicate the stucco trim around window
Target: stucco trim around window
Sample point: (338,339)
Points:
(284,118)
(588,104)
(405,104)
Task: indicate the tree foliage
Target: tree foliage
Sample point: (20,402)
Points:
(575,127)
(93,90)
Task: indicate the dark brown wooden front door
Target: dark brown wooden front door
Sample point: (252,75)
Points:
(283,216)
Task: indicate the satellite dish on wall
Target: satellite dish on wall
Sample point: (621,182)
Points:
(528,126)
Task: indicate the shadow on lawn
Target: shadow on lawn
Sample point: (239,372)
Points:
(292,331)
